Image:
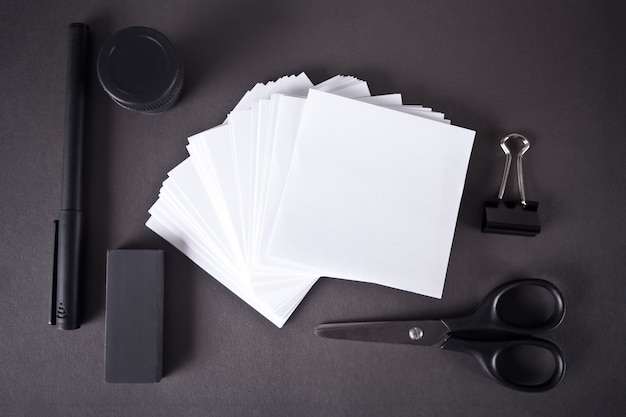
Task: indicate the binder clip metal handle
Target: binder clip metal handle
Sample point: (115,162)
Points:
(512,217)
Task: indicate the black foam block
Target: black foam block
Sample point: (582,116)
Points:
(134,316)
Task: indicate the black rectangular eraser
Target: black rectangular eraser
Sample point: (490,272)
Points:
(134,316)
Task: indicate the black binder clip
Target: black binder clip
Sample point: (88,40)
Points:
(508,216)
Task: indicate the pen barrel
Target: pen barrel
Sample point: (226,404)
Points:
(77,63)
(69,251)
(65,307)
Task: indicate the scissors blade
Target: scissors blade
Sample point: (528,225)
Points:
(421,333)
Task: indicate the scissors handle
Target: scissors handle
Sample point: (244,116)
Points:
(488,320)
(517,371)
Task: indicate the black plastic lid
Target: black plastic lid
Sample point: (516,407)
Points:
(141,70)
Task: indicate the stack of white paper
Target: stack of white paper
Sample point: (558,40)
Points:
(304,181)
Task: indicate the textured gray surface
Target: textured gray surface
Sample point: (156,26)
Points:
(551,70)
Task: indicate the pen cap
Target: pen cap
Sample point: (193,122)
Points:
(140,70)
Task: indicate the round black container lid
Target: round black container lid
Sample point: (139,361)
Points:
(141,70)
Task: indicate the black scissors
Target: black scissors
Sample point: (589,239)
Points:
(494,334)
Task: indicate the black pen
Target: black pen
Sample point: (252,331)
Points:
(67,269)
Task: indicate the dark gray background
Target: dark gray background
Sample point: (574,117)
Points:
(553,70)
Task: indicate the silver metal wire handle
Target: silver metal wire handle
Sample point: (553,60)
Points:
(507,166)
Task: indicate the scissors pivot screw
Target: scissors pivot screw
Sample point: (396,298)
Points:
(416,333)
